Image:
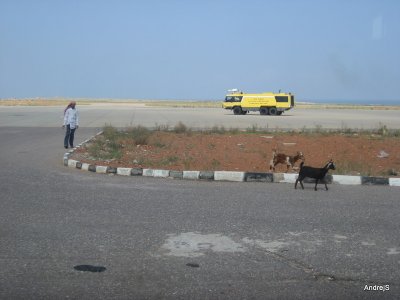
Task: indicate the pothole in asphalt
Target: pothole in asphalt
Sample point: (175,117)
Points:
(90,268)
(193,265)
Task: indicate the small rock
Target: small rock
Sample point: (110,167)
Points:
(382,154)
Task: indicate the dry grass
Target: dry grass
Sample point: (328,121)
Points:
(185,104)
(34,102)
(84,101)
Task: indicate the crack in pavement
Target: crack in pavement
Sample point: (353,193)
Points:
(296,264)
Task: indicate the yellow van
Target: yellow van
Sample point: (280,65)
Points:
(266,103)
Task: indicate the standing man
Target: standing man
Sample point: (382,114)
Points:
(71,121)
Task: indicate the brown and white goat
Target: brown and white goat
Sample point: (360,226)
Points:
(281,158)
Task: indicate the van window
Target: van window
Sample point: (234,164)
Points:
(281,99)
(233,98)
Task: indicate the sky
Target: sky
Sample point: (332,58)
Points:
(319,50)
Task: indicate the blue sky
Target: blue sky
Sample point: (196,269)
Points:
(177,49)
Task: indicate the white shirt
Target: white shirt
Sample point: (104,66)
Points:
(71,118)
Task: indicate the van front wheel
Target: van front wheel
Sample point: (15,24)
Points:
(237,110)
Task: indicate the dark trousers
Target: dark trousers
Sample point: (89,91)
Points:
(69,136)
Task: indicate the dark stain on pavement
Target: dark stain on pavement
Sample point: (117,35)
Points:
(90,268)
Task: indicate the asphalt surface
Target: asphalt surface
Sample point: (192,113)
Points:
(174,239)
(123,115)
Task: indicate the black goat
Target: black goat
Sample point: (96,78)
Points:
(316,173)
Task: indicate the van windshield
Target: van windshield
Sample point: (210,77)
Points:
(233,98)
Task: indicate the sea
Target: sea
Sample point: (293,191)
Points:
(351,102)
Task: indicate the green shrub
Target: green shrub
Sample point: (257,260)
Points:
(170,160)
(253,129)
(218,130)
(105,149)
(110,132)
(161,127)
(139,134)
(382,130)
(215,164)
(180,128)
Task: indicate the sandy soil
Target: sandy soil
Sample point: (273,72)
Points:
(353,154)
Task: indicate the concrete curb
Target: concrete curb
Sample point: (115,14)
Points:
(193,175)
(232,176)
(229,176)
(124,171)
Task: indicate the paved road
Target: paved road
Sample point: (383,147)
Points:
(127,115)
(241,240)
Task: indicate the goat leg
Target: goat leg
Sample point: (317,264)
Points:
(299,179)
(301,183)
(316,183)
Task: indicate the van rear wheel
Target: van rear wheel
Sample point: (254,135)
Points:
(273,111)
